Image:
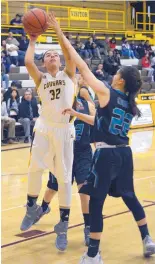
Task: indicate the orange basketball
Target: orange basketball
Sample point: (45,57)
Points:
(35,21)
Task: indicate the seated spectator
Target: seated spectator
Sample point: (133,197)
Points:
(147,65)
(92,48)
(3,47)
(117,57)
(80,48)
(99,74)
(5,59)
(110,65)
(7,94)
(12,51)
(126,50)
(141,49)
(106,45)
(28,113)
(4,76)
(148,48)
(153,65)
(7,122)
(13,104)
(23,43)
(134,49)
(17,21)
(112,43)
(97,41)
(70,38)
(11,39)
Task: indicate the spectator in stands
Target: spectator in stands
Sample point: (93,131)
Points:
(99,74)
(134,49)
(117,57)
(3,47)
(148,48)
(147,65)
(141,49)
(92,48)
(23,43)
(28,113)
(70,38)
(7,94)
(80,48)
(106,45)
(126,50)
(13,104)
(11,40)
(153,65)
(110,65)
(12,51)
(7,122)
(112,43)
(4,76)
(97,41)
(17,21)
(5,59)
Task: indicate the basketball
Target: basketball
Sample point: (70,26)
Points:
(35,21)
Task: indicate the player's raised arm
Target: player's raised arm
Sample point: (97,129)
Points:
(99,87)
(70,67)
(29,62)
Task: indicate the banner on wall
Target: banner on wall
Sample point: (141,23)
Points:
(146,118)
(79,14)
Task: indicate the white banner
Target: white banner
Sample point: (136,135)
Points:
(146,118)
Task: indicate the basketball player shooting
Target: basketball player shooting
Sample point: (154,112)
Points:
(52,147)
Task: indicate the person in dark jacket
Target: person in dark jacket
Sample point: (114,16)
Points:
(141,49)
(28,113)
(7,94)
(110,65)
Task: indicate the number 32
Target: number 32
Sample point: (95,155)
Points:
(55,94)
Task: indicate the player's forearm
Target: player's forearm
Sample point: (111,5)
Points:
(29,56)
(86,118)
(68,49)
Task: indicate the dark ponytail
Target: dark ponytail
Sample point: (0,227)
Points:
(133,84)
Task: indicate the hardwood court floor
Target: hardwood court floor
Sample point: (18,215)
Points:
(121,243)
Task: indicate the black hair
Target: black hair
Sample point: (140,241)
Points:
(133,84)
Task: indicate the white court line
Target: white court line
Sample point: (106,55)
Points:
(20,206)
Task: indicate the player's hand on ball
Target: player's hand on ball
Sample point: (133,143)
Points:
(33,37)
(69,111)
(52,22)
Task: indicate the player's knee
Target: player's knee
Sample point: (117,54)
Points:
(52,185)
(95,209)
(134,205)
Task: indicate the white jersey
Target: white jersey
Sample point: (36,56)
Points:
(56,94)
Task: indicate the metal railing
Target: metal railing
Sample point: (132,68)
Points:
(6,13)
(89,12)
(145,25)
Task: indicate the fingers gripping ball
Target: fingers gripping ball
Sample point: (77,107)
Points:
(35,21)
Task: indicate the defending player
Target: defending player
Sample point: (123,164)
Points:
(112,170)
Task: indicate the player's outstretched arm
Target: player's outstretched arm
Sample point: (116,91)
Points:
(85,118)
(70,67)
(29,62)
(99,87)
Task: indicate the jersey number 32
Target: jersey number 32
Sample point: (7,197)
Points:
(55,94)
